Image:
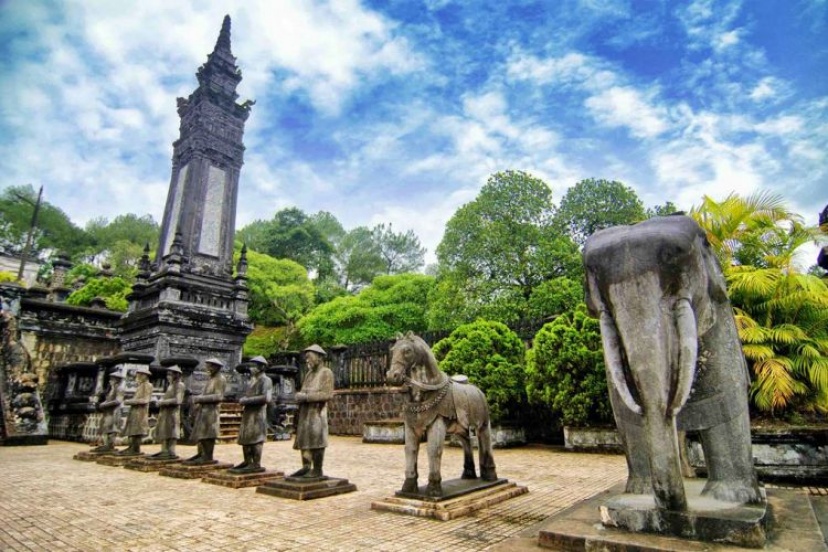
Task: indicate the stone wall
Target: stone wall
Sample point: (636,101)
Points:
(55,334)
(350,408)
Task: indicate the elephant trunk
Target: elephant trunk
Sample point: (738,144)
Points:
(657,341)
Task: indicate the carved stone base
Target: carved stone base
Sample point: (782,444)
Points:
(706,519)
(240,480)
(794,528)
(298,488)
(183,471)
(151,463)
(460,498)
(91,455)
(115,460)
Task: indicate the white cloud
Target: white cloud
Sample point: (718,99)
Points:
(630,108)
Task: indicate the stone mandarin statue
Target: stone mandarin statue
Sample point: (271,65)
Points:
(206,426)
(137,425)
(168,429)
(110,410)
(312,415)
(258,394)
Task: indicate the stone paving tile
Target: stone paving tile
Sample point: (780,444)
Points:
(50,502)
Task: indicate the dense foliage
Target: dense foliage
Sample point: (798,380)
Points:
(591,205)
(781,313)
(54,232)
(492,356)
(496,250)
(112,290)
(391,304)
(565,370)
(280,292)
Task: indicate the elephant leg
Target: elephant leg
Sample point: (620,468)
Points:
(436,440)
(488,472)
(468,459)
(729,459)
(665,465)
(412,450)
(638,465)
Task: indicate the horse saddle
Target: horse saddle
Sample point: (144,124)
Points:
(460,378)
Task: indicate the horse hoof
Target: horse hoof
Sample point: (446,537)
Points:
(488,475)
(468,474)
(410,485)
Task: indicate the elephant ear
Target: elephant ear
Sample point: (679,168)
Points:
(715,291)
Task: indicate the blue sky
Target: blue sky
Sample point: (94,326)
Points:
(397,111)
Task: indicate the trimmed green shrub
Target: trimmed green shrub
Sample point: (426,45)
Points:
(113,291)
(492,356)
(565,370)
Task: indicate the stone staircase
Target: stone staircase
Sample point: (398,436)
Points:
(230,416)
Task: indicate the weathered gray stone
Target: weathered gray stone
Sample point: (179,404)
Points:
(674,360)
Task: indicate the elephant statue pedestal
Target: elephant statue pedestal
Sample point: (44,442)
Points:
(705,519)
(674,363)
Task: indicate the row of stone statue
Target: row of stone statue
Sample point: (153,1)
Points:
(311,417)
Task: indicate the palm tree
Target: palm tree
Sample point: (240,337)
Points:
(781,313)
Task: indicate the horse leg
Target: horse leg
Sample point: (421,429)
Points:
(484,442)
(468,460)
(436,440)
(412,449)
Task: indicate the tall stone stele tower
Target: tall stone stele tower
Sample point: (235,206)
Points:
(188,303)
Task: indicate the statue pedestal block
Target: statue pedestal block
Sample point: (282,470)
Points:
(91,456)
(707,519)
(460,498)
(184,471)
(794,528)
(299,488)
(241,480)
(150,463)
(117,461)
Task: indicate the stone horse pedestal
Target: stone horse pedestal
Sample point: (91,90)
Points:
(460,498)
(306,488)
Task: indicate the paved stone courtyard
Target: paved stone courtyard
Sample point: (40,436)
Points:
(50,502)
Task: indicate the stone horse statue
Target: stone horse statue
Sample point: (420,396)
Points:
(436,405)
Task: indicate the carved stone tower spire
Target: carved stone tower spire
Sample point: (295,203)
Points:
(188,303)
(207,160)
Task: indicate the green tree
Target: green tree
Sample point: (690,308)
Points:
(357,258)
(554,297)
(497,249)
(668,208)
(400,252)
(565,370)
(292,235)
(54,231)
(391,304)
(112,290)
(781,313)
(121,242)
(592,204)
(280,291)
(492,356)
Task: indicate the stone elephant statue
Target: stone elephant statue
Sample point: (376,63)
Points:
(673,357)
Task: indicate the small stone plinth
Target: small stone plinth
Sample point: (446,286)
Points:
(302,488)
(384,432)
(706,519)
(91,455)
(117,461)
(460,497)
(240,480)
(197,471)
(151,463)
